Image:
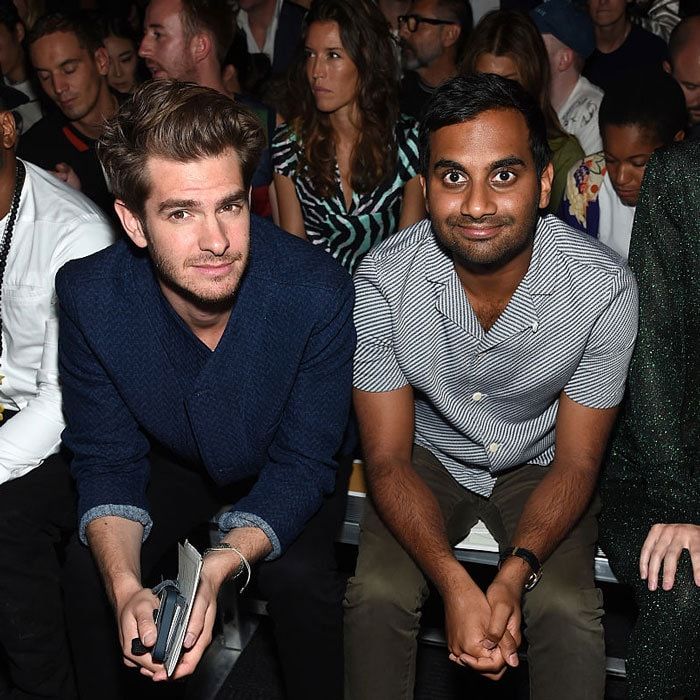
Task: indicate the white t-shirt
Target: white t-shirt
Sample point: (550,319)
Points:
(616,219)
(579,115)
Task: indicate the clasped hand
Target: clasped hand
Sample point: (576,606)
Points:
(483,631)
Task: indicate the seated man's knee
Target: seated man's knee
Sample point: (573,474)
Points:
(376,596)
(561,605)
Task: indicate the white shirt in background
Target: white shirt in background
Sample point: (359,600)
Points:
(269,47)
(579,115)
(54,224)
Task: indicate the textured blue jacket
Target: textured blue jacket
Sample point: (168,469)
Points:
(272,400)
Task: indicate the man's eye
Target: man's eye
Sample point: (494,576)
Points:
(232,207)
(333,54)
(504,177)
(453,177)
(179,215)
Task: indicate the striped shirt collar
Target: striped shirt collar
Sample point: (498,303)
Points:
(541,278)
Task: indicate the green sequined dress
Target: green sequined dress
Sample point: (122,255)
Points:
(653,471)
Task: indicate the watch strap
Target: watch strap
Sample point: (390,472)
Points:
(524,554)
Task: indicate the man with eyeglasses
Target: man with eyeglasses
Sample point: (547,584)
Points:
(432,35)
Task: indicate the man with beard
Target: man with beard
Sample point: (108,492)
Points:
(205,362)
(431,36)
(71,65)
(493,346)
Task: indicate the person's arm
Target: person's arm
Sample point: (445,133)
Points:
(35,432)
(409,509)
(587,409)
(116,545)
(289,214)
(413,203)
(301,467)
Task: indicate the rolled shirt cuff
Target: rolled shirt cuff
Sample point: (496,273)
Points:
(233,519)
(120,511)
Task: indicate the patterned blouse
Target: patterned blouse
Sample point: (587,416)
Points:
(349,233)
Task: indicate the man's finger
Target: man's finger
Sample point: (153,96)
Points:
(147,630)
(655,567)
(647,549)
(695,561)
(197,620)
(500,614)
(509,649)
(670,566)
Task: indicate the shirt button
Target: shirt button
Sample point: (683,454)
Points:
(493,447)
(477,396)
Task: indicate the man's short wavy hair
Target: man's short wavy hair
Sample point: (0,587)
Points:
(177,121)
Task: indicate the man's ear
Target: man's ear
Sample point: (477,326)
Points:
(546,180)
(131,224)
(20,32)
(424,187)
(8,130)
(201,46)
(450,34)
(667,67)
(102,60)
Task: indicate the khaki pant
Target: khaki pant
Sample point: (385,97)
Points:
(562,614)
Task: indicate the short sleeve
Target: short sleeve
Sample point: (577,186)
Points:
(285,151)
(599,379)
(407,146)
(376,367)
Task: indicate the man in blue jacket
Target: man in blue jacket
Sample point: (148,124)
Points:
(222,341)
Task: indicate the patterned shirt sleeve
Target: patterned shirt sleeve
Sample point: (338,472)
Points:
(376,367)
(285,151)
(599,379)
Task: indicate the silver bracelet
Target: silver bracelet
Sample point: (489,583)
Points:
(244,565)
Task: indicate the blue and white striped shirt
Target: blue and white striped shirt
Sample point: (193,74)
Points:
(486,401)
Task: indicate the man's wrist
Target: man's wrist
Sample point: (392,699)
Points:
(123,587)
(221,565)
(514,573)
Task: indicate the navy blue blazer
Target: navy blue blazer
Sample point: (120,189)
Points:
(272,400)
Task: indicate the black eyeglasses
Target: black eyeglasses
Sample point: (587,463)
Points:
(412,21)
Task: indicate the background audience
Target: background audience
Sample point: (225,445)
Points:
(567,32)
(622,47)
(346,163)
(508,43)
(126,72)
(637,117)
(432,36)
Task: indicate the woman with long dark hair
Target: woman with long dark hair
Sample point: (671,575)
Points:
(346,162)
(508,43)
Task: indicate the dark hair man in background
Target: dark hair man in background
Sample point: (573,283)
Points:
(71,65)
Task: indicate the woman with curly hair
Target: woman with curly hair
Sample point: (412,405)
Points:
(346,163)
(508,43)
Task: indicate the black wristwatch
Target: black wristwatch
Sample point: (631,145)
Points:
(527,556)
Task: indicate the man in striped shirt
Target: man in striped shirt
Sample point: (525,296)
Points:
(493,346)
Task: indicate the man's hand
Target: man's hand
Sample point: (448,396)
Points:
(66,174)
(664,544)
(134,609)
(470,639)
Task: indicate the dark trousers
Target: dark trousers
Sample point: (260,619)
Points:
(303,586)
(562,613)
(37,511)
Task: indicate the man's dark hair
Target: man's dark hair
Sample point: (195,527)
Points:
(77,23)
(652,101)
(211,16)
(178,121)
(9,15)
(464,98)
(461,12)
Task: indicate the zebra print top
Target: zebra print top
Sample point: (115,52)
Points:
(349,234)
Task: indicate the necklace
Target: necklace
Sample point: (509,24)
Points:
(9,228)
